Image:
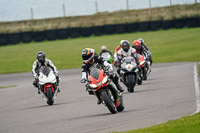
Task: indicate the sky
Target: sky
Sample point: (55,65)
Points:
(12,10)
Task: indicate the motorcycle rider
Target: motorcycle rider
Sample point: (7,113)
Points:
(90,58)
(115,55)
(125,51)
(42,61)
(142,49)
(104,49)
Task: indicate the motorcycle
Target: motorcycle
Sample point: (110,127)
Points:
(129,73)
(146,68)
(142,69)
(107,57)
(48,85)
(104,88)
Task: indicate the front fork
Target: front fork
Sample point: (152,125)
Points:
(41,89)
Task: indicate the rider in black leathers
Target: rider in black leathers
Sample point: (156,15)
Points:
(142,49)
(90,58)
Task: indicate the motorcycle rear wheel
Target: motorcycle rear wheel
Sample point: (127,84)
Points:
(145,73)
(120,108)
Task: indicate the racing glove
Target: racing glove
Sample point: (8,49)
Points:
(84,78)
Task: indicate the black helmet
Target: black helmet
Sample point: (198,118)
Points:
(41,56)
(88,55)
(125,44)
(141,40)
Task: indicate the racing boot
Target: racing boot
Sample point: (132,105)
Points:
(35,83)
(99,101)
(38,90)
(58,89)
(58,80)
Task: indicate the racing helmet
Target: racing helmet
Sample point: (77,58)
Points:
(137,44)
(125,44)
(141,40)
(88,55)
(103,48)
(41,56)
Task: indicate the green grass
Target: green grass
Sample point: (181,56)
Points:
(3,87)
(117,17)
(174,45)
(189,124)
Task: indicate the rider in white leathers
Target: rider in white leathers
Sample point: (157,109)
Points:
(42,61)
(125,51)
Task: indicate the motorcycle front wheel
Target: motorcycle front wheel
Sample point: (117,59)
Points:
(106,97)
(131,82)
(49,96)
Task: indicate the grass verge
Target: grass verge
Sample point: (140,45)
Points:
(189,124)
(3,87)
(174,45)
(118,17)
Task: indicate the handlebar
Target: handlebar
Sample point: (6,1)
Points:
(107,71)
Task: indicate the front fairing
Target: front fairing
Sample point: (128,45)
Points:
(99,81)
(106,55)
(128,65)
(50,78)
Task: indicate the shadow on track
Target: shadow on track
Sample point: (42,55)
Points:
(139,91)
(102,115)
(44,106)
(84,117)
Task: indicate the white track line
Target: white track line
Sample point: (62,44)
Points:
(196,82)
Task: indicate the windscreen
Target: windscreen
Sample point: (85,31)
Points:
(46,70)
(127,60)
(106,55)
(94,72)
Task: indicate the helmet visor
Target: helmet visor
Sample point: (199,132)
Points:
(41,59)
(138,46)
(87,59)
(125,48)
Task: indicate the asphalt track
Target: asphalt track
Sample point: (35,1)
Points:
(169,93)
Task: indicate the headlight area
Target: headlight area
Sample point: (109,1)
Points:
(142,63)
(41,83)
(105,80)
(129,67)
(93,86)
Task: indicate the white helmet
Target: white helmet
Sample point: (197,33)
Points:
(103,48)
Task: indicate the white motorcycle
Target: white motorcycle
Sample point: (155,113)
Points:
(147,66)
(48,85)
(129,73)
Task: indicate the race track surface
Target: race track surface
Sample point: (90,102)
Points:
(167,94)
